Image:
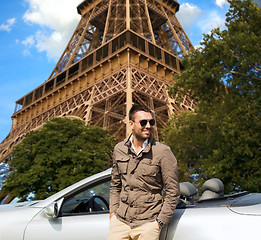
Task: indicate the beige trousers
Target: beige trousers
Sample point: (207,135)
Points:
(121,231)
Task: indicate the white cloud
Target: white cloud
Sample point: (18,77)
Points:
(8,25)
(53,44)
(56,19)
(29,41)
(187,14)
(221,3)
(213,20)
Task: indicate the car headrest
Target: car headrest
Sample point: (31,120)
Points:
(187,189)
(214,185)
(212,188)
(208,195)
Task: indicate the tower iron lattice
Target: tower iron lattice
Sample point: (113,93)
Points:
(122,52)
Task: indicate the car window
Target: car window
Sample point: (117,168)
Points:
(88,200)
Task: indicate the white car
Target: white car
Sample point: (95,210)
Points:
(81,212)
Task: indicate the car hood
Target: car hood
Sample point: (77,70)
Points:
(15,206)
(16,214)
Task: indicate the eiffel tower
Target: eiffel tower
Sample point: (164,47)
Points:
(122,52)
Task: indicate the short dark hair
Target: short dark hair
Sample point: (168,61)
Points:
(136,108)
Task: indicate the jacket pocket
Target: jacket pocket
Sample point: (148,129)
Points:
(148,206)
(123,165)
(150,168)
(123,206)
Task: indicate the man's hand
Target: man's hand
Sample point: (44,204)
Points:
(112,214)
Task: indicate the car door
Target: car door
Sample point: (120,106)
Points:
(84,214)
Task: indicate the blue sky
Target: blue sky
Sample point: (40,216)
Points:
(34,33)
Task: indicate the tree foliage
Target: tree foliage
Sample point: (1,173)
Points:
(222,137)
(63,152)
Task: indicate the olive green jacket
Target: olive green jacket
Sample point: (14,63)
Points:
(138,181)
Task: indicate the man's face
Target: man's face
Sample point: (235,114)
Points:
(139,131)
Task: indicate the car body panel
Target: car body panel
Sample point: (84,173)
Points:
(233,218)
(249,204)
(92,226)
(249,210)
(212,223)
(13,221)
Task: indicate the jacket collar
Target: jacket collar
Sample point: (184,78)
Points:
(146,149)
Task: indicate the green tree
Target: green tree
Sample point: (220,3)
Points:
(63,152)
(222,137)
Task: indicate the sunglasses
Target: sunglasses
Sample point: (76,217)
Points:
(144,122)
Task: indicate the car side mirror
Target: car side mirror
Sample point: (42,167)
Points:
(53,209)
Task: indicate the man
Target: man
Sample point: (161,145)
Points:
(141,168)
